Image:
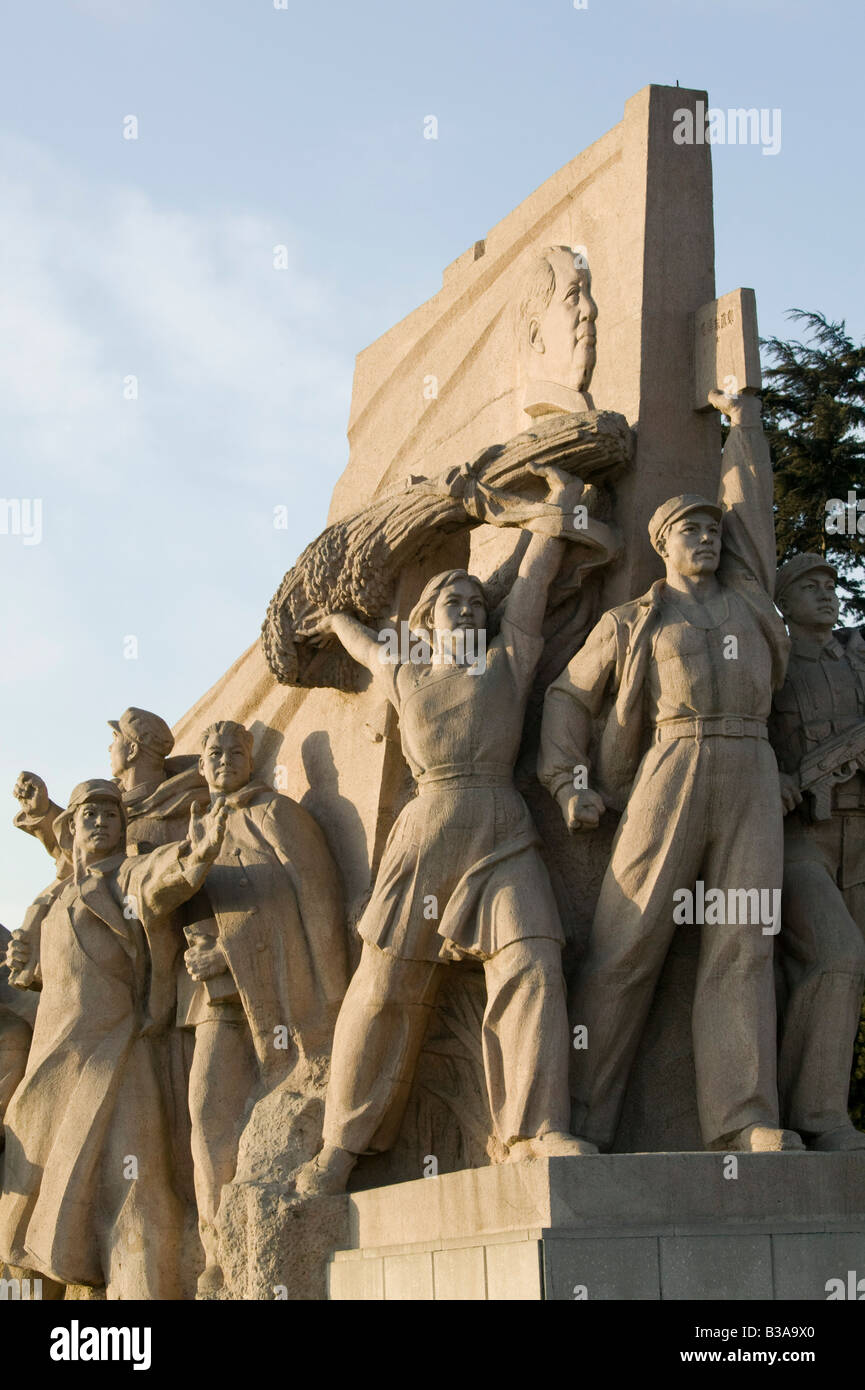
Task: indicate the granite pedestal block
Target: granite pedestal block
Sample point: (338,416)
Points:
(618,1226)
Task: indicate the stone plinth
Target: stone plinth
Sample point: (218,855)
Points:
(619,1226)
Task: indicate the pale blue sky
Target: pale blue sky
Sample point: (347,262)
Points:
(153,257)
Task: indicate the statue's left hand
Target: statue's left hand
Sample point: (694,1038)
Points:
(564,491)
(203,962)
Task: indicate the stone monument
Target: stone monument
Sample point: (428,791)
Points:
(500,718)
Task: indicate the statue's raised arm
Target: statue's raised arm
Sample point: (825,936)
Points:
(745,494)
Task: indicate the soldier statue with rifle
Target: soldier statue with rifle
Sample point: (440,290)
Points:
(818,731)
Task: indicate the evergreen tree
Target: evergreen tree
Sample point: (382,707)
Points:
(814,417)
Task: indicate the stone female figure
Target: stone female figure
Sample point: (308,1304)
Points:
(461,878)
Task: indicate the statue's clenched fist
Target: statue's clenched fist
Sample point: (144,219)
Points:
(32,794)
(19,960)
(583,810)
(17,952)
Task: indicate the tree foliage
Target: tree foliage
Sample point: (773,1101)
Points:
(814,417)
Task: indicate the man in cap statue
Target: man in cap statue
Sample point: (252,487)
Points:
(685,752)
(157,795)
(817,729)
(89,1194)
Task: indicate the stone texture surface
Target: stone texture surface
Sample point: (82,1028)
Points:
(617,1268)
(268,1240)
(460,1273)
(804,1264)
(514,1271)
(727,1268)
(409,1277)
(356,1280)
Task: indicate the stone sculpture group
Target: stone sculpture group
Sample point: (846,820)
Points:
(190,955)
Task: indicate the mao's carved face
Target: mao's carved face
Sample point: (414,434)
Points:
(562,337)
(98,828)
(460,607)
(226,763)
(811,601)
(692,545)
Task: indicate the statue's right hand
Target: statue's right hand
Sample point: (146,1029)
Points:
(206,830)
(18,952)
(583,810)
(32,793)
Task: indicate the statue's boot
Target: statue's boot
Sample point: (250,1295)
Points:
(551,1145)
(761,1139)
(211,1279)
(327,1174)
(843,1139)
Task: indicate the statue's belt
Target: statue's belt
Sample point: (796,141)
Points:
(715,726)
(468,774)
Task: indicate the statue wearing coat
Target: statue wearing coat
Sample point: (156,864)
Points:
(89,1194)
(269,959)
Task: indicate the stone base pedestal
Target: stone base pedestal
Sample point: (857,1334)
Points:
(618,1226)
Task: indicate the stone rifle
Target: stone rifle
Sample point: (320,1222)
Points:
(835,760)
